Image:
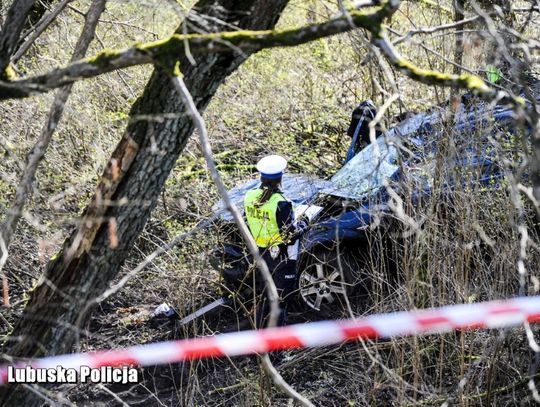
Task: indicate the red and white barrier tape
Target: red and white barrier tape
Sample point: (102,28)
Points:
(496,314)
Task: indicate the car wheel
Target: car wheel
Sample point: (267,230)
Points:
(321,283)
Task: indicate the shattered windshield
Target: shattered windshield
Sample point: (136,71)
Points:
(365,173)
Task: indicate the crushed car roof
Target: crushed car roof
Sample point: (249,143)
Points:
(364,171)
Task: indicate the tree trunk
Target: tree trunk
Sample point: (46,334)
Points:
(128,191)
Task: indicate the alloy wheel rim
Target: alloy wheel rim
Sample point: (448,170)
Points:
(319,286)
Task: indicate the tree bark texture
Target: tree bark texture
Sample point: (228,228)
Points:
(11,31)
(129,189)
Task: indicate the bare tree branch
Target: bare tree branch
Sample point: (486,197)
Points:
(40,8)
(38,151)
(431,30)
(166,52)
(244,231)
(11,32)
(40,27)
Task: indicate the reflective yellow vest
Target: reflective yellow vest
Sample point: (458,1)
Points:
(261,219)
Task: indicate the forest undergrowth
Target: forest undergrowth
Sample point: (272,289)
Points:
(460,248)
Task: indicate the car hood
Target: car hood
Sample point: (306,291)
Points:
(300,189)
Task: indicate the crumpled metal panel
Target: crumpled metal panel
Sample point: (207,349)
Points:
(297,188)
(365,173)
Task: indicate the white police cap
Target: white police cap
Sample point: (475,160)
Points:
(272,166)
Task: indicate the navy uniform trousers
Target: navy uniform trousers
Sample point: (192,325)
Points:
(283,271)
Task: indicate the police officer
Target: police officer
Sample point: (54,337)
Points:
(270,218)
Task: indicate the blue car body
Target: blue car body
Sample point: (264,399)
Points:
(359,190)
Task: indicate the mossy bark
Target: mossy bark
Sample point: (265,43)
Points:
(133,181)
(167,51)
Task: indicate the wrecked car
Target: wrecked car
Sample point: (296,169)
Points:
(363,195)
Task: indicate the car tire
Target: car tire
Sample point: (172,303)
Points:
(326,280)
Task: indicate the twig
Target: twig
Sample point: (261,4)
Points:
(246,234)
(431,30)
(3,259)
(455,64)
(113,395)
(42,25)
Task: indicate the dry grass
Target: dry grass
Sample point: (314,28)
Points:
(296,102)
